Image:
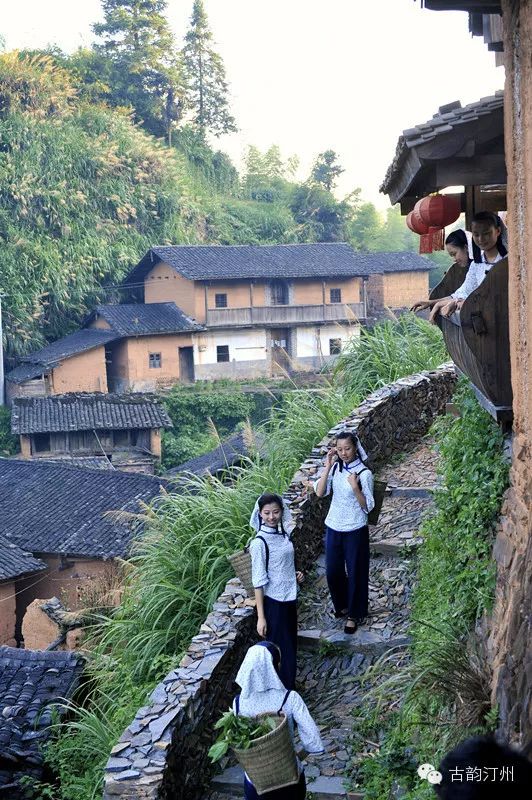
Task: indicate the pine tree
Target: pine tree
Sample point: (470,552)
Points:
(326,170)
(145,74)
(207,94)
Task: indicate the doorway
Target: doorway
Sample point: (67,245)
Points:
(280,348)
(186,364)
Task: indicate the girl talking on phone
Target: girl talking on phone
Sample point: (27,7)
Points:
(347,533)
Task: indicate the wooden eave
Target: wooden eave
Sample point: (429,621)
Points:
(472,6)
(470,154)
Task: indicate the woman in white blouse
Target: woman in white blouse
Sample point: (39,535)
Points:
(347,533)
(489,246)
(263,691)
(275,579)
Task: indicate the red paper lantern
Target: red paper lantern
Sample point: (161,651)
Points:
(438,210)
(415,223)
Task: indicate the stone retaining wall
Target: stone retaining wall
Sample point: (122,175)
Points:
(163,753)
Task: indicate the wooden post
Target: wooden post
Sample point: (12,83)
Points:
(323,298)
(251,301)
(206,285)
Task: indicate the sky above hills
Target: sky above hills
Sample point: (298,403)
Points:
(311,75)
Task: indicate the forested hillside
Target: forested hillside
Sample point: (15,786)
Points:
(106,152)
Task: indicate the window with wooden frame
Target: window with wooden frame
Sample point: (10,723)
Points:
(279,293)
(220,300)
(155,361)
(335,346)
(336,295)
(222,353)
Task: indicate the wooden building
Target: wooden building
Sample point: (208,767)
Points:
(122,431)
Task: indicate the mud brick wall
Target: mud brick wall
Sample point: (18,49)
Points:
(511,637)
(163,752)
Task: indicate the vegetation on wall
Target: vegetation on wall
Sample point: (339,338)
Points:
(178,570)
(440,692)
(9,444)
(190,408)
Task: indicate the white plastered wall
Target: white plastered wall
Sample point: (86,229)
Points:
(313,341)
(244,345)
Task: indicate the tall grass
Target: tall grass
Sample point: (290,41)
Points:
(179,565)
(387,352)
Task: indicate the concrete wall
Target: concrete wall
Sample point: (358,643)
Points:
(8,615)
(511,636)
(402,289)
(84,372)
(163,753)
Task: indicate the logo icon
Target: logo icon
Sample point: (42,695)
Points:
(429,773)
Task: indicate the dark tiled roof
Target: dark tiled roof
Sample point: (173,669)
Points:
(15,562)
(141,319)
(84,412)
(50,508)
(448,118)
(230,452)
(32,682)
(25,372)
(51,355)
(213,262)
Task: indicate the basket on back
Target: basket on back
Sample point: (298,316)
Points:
(270,762)
(379,490)
(241,563)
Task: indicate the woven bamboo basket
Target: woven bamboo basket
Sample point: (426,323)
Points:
(271,762)
(241,563)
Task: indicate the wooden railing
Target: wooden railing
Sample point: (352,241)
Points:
(477,338)
(284,315)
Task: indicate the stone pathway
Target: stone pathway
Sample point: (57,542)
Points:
(330,663)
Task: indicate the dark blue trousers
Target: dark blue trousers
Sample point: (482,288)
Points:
(281,629)
(296,792)
(348,550)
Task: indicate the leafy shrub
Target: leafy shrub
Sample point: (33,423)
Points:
(190,410)
(9,444)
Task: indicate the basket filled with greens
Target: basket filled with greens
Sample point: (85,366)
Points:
(263,747)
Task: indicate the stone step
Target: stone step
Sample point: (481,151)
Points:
(230,784)
(394,547)
(410,491)
(363,641)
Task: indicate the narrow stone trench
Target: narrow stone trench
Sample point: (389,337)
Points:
(329,662)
